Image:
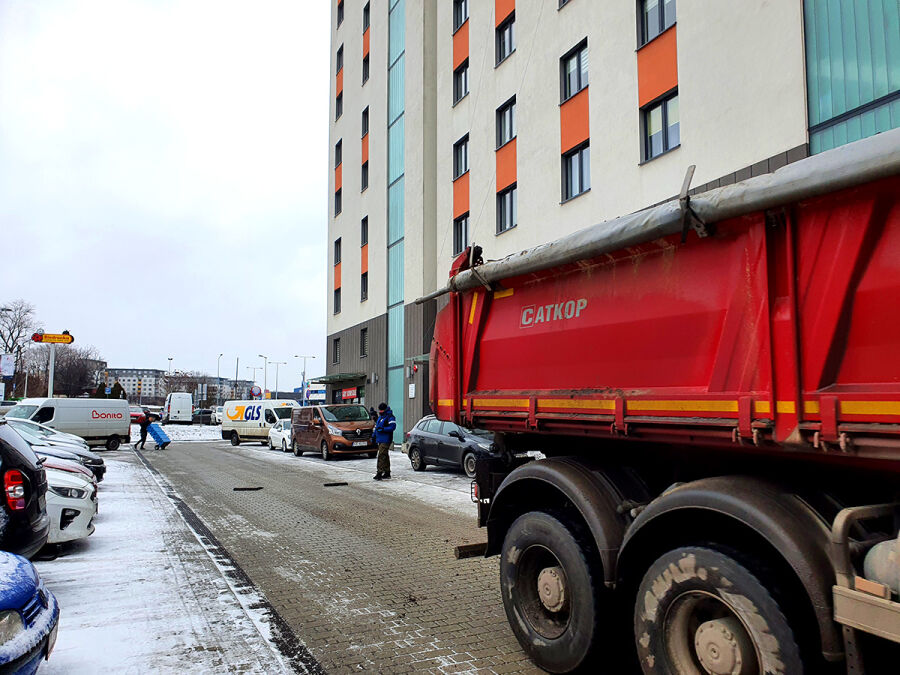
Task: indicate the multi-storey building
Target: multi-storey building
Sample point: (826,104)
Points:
(508,124)
(140,384)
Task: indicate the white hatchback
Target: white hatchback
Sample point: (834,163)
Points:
(280,435)
(71,505)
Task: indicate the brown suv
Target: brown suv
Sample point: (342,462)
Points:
(332,429)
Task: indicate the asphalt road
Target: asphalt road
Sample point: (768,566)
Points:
(364,574)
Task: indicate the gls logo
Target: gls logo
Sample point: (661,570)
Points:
(535,314)
(250,413)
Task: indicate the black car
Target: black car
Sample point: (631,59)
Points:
(25,524)
(202,416)
(432,441)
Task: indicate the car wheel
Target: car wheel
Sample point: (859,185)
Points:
(468,464)
(415,459)
(296,449)
(271,447)
(235,439)
(283,445)
(112,443)
(326,455)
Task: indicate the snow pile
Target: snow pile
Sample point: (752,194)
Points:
(182,432)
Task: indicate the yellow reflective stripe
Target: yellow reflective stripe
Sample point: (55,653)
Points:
(505,293)
(762,407)
(684,406)
(444,402)
(474,302)
(582,404)
(870,407)
(786,407)
(811,407)
(500,402)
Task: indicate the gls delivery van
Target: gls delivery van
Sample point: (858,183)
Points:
(178,408)
(251,420)
(99,421)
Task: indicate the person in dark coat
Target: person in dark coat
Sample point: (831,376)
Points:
(144,422)
(384,436)
(372,413)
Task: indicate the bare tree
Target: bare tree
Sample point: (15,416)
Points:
(16,325)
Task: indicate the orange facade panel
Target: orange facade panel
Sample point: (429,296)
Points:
(365,148)
(364,259)
(339,87)
(506,165)
(657,67)
(461,195)
(461,44)
(502,9)
(574,121)
(366,42)
(337,276)
(338,177)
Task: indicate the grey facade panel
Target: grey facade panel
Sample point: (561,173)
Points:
(419,329)
(374,364)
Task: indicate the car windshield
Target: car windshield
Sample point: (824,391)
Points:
(346,413)
(287,425)
(27,434)
(284,413)
(23,411)
(35,429)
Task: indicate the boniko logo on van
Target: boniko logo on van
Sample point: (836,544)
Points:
(100,415)
(568,309)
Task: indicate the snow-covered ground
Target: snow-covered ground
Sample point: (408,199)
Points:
(183,432)
(143,594)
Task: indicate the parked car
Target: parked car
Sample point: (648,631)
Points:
(67,465)
(333,429)
(202,416)
(136,413)
(218,414)
(6,406)
(50,432)
(178,408)
(24,524)
(99,421)
(280,435)
(41,444)
(29,616)
(71,505)
(432,441)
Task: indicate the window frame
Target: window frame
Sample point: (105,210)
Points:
(363,286)
(576,53)
(461,72)
(338,106)
(364,231)
(508,23)
(363,342)
(663,102)
(339,60)
(337,251)
(501,196)
(364,177)
(366,17)
(338,153)
(365,121)
(340,13)
(510,105)
(642,31)
(566,158)
(338,202)
(460,17)
(336,350)
(458,233)
(365,69)
(337,302)
(461,144)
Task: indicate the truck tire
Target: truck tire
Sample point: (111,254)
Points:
(326,455)
(699,610)
(468,464)
(415,459)
(235,439)
(112,443)
(296,449)
(551,589)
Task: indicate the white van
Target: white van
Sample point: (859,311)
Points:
(99,421)
(251,420)
(178,408)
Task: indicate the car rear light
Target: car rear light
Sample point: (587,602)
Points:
(407,435)
(14,486)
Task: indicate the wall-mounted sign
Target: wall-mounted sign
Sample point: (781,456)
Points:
(348,393)
(7,365)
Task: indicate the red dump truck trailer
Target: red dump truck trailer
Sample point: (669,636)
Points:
(712,388)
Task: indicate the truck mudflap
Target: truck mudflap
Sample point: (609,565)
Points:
(490,472)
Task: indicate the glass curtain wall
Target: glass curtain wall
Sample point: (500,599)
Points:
(395,216)
(852,69)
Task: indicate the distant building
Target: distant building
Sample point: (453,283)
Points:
(140,384)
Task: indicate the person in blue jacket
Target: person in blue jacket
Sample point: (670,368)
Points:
(384,436)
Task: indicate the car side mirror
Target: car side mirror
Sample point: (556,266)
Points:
(455,434)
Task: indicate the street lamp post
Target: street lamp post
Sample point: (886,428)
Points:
(170,365)
(265,373)
(254,369)
(303,388)
(218,379)
(276,364)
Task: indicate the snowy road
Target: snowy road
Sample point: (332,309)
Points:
(362,573)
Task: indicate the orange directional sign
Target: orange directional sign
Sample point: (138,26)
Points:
(53,338)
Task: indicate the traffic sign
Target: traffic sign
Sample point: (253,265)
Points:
(64,338)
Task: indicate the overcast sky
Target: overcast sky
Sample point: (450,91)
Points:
(163,177)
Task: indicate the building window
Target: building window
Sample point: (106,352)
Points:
(365,17)
(574,71)
(460,157)
(656,16)
(461,81)
(365,121)
(562,3)
(363,287)
(338,153)
(576,172)
(507,215)
(340,59)
(364,231)
(364,178)
(337,251)
(338,202)
(363,341)
(460,13)
(506,122)
(336,350)
(340,12)
(506,38)
(365,68)
(460,234)
(339,106)
(337,301)
(661,127)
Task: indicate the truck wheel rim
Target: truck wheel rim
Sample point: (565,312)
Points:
(543,598)
(704,635)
